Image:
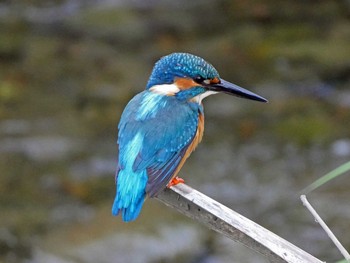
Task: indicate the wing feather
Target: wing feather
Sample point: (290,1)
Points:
(167,130)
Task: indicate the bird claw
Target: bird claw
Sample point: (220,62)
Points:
(176,180)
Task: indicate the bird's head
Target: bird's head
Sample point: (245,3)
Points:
(191,78)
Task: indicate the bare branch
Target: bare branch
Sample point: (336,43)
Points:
(325,227)
(218,217)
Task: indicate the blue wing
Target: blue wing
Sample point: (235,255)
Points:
(167,127)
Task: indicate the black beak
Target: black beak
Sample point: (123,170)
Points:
(232,89)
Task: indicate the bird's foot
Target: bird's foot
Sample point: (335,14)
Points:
(176,180)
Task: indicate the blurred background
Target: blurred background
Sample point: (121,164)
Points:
(67,70)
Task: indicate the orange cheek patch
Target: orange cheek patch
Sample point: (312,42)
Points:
(185,83)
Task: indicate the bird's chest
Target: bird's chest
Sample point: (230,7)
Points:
(199,132)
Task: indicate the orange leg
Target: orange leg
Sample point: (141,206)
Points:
(176,180)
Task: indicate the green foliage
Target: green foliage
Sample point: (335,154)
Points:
(329,176)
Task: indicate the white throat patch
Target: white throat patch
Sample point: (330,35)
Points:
(172,89)
(200,97)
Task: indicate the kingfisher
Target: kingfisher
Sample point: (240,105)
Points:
(161,126)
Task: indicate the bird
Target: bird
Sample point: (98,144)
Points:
(161,126)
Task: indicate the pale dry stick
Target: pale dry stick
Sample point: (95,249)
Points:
(225,221)
(325,227)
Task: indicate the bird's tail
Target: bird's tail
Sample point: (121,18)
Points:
(130,195)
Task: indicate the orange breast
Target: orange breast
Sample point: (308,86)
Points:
(197,139)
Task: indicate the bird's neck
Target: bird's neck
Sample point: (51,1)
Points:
(194,94)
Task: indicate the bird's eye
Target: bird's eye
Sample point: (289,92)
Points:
(199,79)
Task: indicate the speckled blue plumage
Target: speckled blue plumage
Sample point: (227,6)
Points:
(180,65)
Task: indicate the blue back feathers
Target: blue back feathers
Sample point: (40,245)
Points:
(155,131)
